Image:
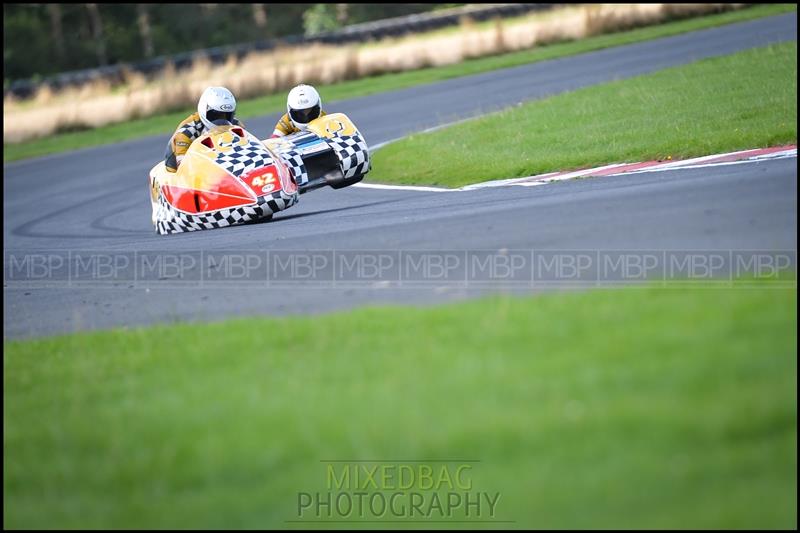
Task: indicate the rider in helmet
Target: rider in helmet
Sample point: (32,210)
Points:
(302,106)
(216,103)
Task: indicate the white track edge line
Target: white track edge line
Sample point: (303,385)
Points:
(543,179)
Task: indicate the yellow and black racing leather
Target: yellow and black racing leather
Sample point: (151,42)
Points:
(285,126)
(187,131)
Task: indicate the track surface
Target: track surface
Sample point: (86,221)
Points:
(96,200)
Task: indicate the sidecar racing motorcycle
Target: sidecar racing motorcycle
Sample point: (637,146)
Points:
(228,176)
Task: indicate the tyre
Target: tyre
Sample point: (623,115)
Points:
(341,184)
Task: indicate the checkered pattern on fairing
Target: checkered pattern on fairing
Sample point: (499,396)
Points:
(242,159)
(194,129)
(295,163)
(353,154)
(171,220)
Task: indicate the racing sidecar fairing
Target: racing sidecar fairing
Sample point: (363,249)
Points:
(228,176)
(332,152)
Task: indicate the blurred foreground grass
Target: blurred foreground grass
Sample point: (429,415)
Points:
(607,409)
(734,102)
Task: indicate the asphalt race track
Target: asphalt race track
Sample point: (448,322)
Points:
(96,200)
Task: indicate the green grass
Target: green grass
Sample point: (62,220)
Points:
(662,408)
(744,100)
(165,124)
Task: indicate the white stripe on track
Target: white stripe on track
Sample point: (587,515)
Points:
(543,179)
(429,130)
(402,187)
(755,159)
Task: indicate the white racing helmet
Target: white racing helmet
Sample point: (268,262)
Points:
(303,105)
(216,103)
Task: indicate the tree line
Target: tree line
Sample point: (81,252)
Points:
(44,39)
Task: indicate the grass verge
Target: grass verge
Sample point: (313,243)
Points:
(744,100)
(165,124)
(654,408)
